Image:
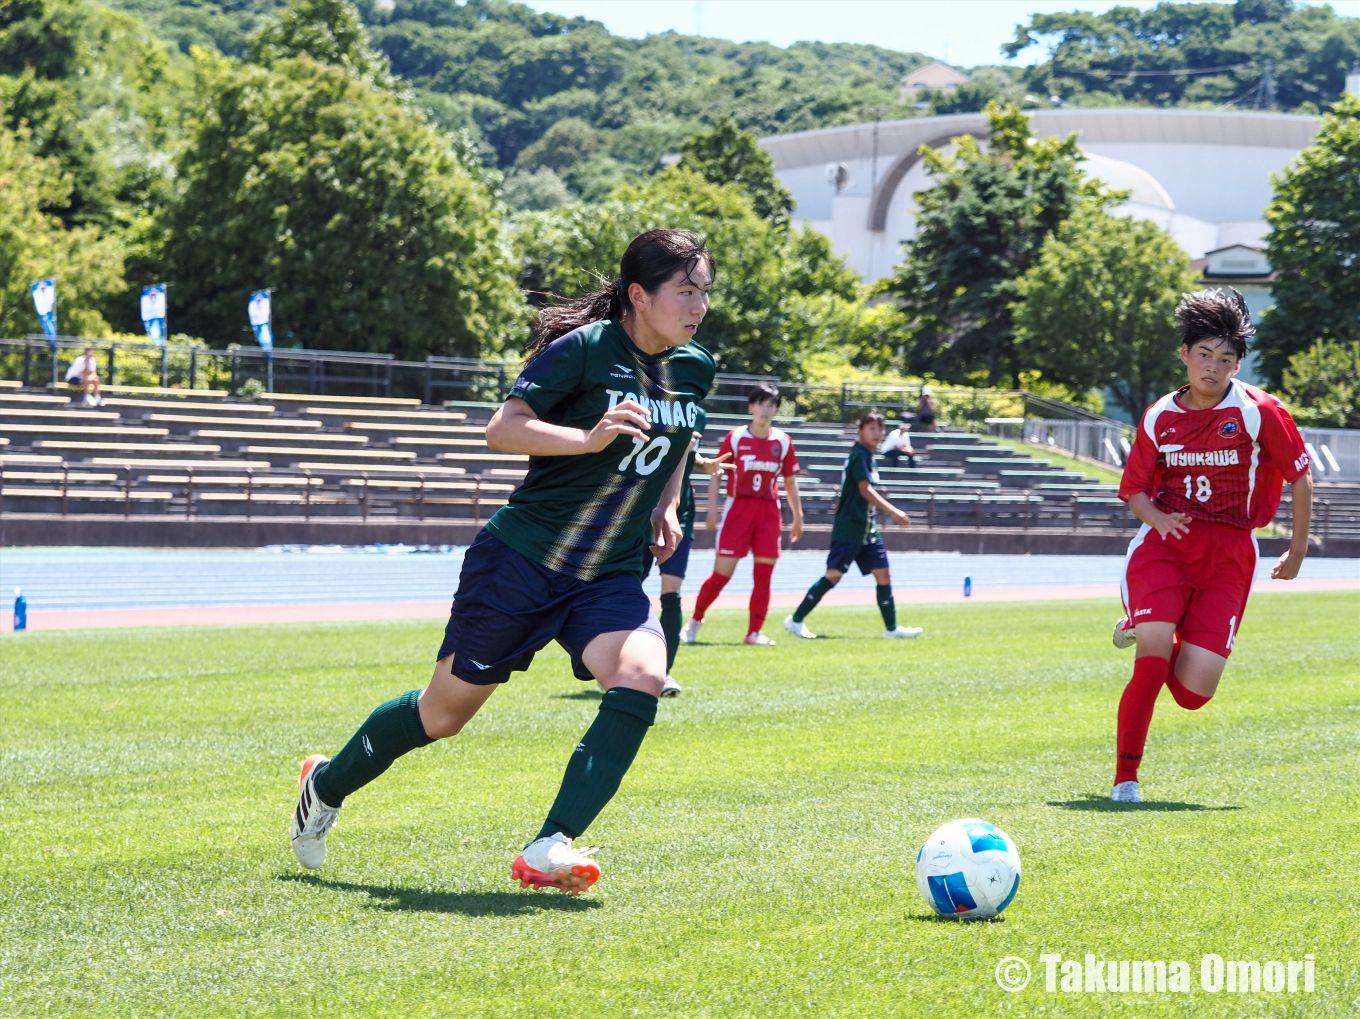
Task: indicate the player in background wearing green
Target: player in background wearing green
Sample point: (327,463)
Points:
(606,408)
(854,538)
(673,569)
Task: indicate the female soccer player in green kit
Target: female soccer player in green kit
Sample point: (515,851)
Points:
(605,407)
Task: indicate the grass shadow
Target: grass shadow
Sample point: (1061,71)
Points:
(1091,801)
(937,918)
(480,903)
(591,694)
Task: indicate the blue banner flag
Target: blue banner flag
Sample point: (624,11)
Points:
(45,301)
(153,312)
(259,318)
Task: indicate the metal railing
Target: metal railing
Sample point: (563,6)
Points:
(38,361)
(179,491)
(1104,441)
(1335,452)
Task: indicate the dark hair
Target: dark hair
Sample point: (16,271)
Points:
(870,416)
(649,261)
(1215,316)
(764,392)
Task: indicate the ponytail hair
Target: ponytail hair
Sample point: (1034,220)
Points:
(650,260)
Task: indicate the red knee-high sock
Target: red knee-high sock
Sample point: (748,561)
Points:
(1186,697)
(1150,673)
(708,593)
(760,595)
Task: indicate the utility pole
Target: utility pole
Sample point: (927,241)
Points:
(877,111)
(1266,95)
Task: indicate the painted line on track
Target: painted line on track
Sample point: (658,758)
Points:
(350,612)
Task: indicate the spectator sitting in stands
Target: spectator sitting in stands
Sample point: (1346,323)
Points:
(898,445)
(925,411)
(84,371)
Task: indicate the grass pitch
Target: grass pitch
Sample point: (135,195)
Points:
(758,861)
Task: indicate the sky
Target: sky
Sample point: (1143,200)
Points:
(962,32)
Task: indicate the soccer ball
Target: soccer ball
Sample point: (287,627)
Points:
(968,870)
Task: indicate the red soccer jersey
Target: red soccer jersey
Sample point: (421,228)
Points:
(1227,464)
(759,463)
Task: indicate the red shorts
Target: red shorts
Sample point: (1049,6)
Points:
(751,525)
(1199,581)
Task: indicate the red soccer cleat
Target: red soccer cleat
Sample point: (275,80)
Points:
(551,862)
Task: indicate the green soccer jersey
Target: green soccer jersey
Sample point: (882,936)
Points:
(854,516)
(589,515)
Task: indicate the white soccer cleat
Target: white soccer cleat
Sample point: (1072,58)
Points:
(903,632)
(1124,634)
(798,629)
(551,862)
(759,639)
(670,688)
(312,819)
(1126,792)
(690,633)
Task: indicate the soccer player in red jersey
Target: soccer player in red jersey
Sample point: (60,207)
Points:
(751,519)
(1207,468)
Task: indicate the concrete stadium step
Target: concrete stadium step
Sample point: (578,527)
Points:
(186,406)
(185,423)
(407,470)
(296,399)
(169,394)
(138,463)
(389,417)
(472,445)
(76,431)
(16,415)
(298,438)
(1024,478)
(416,428)
(282,455)
(33,400)
(141,449)
(481,460)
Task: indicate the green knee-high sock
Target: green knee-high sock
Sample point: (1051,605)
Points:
(813,596)
(886,606)
(672,618)
(393,729)
(600,761)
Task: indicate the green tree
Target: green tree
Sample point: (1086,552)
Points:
(45,47)
(1314,244)
(1272,53)
(978,230)
(1322,385)
(725,154)
(34,243)
(1097,309)
(534,192)
(328,31)
(760,320)
(368,222)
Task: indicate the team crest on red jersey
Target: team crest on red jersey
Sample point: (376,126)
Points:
(1228,429)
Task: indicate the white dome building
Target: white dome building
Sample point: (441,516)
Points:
(1203,175)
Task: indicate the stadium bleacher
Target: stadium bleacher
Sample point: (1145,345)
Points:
(172,454)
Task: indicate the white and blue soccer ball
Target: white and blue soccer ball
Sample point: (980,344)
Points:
(968,870)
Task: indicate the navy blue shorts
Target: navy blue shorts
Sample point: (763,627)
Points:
(507,607)
(868,557)
(675,566)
